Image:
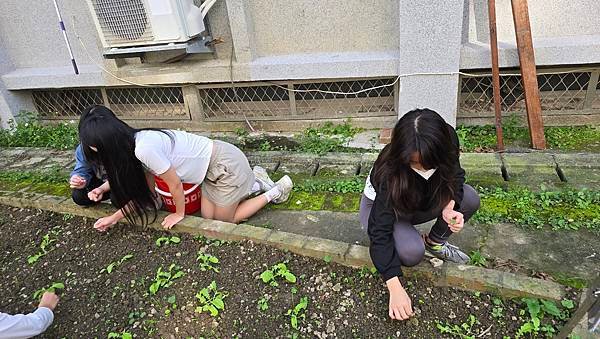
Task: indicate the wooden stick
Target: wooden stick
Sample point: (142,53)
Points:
(495,75)
(528,73)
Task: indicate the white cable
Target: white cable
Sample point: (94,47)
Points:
(207,7)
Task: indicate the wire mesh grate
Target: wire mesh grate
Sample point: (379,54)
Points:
(297,100)
(67,103)
(123,21)
(558,92)
(148,103)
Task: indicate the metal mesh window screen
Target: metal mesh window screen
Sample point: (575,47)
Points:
(297,100)
(371,102)
(68,103)
(558,92)
(148,103)
(232,103)
(123,21)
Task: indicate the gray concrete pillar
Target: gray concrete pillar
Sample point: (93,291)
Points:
(430,43)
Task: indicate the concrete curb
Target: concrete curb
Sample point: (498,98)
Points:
(460,276)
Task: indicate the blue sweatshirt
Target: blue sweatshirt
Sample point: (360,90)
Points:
(82,167)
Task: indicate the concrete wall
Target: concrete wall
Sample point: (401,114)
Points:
(564,32)
(302,39)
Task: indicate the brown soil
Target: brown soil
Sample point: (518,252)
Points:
(343,302)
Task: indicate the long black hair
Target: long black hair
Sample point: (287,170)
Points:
(424,132)
(114,142)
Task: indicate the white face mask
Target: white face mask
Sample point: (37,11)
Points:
(425,174)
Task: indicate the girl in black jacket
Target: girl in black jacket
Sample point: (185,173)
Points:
(416,178)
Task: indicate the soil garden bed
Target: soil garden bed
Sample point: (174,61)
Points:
(101,300)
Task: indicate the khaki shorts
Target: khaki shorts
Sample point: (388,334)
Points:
(229,178)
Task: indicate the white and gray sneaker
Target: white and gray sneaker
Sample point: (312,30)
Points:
(447,252)
(262,178)
(285,186)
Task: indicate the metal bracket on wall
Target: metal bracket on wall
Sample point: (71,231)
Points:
(195,46)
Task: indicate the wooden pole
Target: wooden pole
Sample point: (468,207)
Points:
(528,73)
(495,75)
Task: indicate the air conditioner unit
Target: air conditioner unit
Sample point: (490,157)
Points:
(128,23)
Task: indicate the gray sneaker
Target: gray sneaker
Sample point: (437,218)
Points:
(447,252)
(285,184)
(262,177)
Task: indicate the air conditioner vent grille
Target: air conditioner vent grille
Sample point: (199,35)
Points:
(123,21)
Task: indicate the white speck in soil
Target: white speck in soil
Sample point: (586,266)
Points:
(451,315)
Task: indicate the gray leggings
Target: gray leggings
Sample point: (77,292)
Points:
(408,242)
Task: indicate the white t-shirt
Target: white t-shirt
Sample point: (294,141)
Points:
(188,153)
(369,190)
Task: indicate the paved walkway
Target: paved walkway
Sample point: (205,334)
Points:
(575,254)
(571,253)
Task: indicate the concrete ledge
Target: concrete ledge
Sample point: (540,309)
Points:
(460,276)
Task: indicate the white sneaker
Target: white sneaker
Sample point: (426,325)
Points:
(262,177)
(285,185)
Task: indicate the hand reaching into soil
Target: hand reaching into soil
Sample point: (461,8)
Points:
(49,300)
(171,220)
(454,218)
(103,224)
(400,307)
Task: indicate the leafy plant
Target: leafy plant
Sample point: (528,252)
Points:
(539,310)
(207,262)
(464,330)
(477,259)
(327,259)
(116,264)
(27,131)
(263,303)
(327,137)
(52,288)
(298,312)
(165,279)
(277,271)
(46,241)
(211,299)
(167,240)
(122,335)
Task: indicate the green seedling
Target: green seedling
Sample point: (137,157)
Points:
(327,259)
(477,259)
(46,241)
(116,264)
(165,279)
(539,310)
(211,299)
(52,288)
(167,240)
(263,303)
(463,331)
(277,271)
(208,262)
(298,312)
(122,335)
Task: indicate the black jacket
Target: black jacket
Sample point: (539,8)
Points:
(382,219)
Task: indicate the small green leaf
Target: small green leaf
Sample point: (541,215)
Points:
(126,335)
(109,268)
(213,260)
(327,259)
(550,307)
(266,276)
(290,277)
(154,288)
(568,304)
(171,299)
(294,322)
(213,311)
(175,240)
(127,257)
(218,303)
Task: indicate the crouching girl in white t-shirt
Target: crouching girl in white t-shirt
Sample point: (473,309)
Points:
(132,157)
